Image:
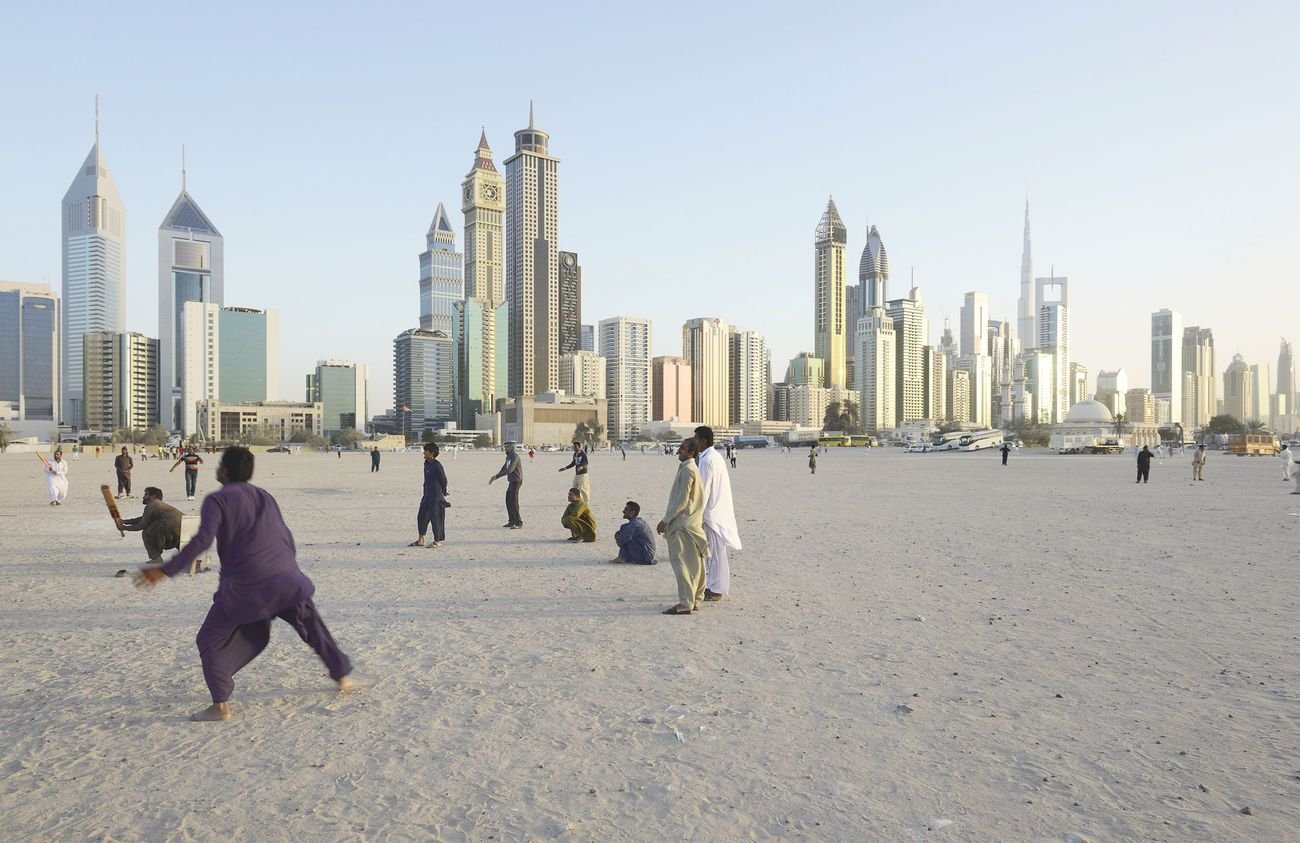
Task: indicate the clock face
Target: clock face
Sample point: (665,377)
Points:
(568,260)
(469,192)
(491,192)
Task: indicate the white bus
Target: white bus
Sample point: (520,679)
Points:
(978,440)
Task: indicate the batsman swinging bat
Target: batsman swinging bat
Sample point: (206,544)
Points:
(112,506)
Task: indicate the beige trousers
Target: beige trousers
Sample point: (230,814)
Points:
(582,482)
(688,566)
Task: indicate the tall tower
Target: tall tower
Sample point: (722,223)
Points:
(1028,309)
(94,268)
(873,274)
(910,332)
(191,267)
(1237,389)
(974,324)
(1053,297)
(625,344)
(532,269)
(1167,360)
(441,279)
(30,347)
(828,342)
(1200,384)
(1282,411)
(749,361)
(706,349)
(877,390)
(570,303)
(481,329)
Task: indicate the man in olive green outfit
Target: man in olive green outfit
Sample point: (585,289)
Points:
(683,530)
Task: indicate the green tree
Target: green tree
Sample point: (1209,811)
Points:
(482,441)
(1256,426)
(644,436)
(347,437)
(1224,424)
(588,433)
(156,435)
(263,434)
(667,436)
(1121,420)
(831,419)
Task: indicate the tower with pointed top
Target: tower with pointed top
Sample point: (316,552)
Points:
(829,317)
(94,269)
(1027,312)
(191,268)
(532,267)
(873,273)
(441,280)
(481,329)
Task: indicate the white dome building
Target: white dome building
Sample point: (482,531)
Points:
(1090,420)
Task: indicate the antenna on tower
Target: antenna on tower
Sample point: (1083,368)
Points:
(96,120)
(182,168)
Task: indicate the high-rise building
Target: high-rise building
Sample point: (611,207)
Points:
(1140,406)
(705,349)
(670,389)
(1260,406)
(587,338)
(1078,383)
(877,350)
(482,331)
(1003,348)
(1167,360)
(532,270)
(979,388)
(29,349)
(806,369)
(342,387)
(958,396)
(936,385)
(873,275)
(853,311)
(828,330)
(582,373)
(231,355)
(441,280)
(1283,409)
(94,268)
(1200,401)
(1053,298)
(119,380)
(1027,310)
(424,380)
(749,364)
(910,334)
(570,303)
(1237,389)
(1112,387)
(625,343)
(974,324)
(191,268)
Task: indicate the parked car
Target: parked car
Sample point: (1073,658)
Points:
(278,449)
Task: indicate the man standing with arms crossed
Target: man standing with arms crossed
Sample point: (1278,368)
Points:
(719,515)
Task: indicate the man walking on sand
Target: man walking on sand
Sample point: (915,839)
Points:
(513,471)
(191,461)
(374,459)
(719,515)
(260,581)
(1288,462)
(581,479)
(1198,463)
(684,532)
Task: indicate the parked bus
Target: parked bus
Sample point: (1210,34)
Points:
(979,440)
(1253,444)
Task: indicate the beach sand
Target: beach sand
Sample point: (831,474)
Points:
(917,647)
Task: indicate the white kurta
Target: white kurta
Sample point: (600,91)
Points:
(719,520)
(1288,463)
(57,479)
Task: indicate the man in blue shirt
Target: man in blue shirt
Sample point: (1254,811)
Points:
(433,505)
(581,480)
(636,543)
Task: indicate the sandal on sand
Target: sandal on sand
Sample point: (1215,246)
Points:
(416,543)
(673,610)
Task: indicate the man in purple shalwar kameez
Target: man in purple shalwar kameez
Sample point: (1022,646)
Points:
(260,581)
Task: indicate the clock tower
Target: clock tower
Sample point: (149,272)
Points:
(482,317)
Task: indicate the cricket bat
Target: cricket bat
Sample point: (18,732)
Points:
(112,506)
(41,457)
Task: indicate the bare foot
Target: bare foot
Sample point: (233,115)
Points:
(216,711)
(347,685)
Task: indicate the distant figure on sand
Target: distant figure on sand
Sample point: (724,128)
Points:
(578,519)
(1198,463)
(433,503)
(260,581)
(123,464)
(683,529)
(159,525)
(1144,464)
(56,478)
(191,461)
(513,471)
(1288,462)
(719,515)
(812,459)
(581,480)
(636,544)
(374,459)
(1006,451)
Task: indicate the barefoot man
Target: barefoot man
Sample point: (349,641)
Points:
(260,581)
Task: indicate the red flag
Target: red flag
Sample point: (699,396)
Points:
(405,409)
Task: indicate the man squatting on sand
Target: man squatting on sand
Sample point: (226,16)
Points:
(719,515)
(159,525)
(578,518)
(636,544)
(683,530)
(260,581)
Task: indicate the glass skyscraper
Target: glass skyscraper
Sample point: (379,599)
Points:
(442,281)
(29,345)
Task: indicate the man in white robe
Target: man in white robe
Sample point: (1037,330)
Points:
(719,516)
(56,477)
(1288,462)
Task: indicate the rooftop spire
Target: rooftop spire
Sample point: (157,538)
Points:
(98,157)
(531,125)
(182,168)
(482,139)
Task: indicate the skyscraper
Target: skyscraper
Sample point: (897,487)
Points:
(670,392)
(974,324)
(191,268)
(582,373)
(481,330)
(231,355)
(29,347)
(120,380)
(1237,389)
(910,333)
(532,271)
(587,338)
(1003,348)
(1167,360)
(1028,305)
(828,337)
(1260,404)
(873,275)
(570,303)
(749,364)
(936,385)
(94,268)
(853,312)
(625,343)
(1283,404)
(877,350)
(705,349)
(1052,295)
(441,280)
(423,379)
(342,386)
(1200,401)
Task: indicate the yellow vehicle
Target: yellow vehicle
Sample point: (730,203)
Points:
(1253,444)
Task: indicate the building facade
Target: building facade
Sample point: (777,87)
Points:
(911,331)
(582,373)
(1167,360)
(231,354)
(1053,297)
(570,303)
(670,391)
(829,315)
(749,365)
(1140,406)
(424,380)
(119,381)
(705,347)
(1237,389)
(341,388)
(221,422)
(442,282)
(30,348)
(625,343)
(877,348)
(1200,380)
(482,359)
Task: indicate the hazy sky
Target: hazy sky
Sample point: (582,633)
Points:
(699,142)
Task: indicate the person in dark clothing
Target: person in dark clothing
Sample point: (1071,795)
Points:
(374,459)
(1006,450)
(123,464)
(513,471)
(159,525)
(1144,464)
(635,540)
(433,505)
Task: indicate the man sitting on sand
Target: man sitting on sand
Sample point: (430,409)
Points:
(260,581)
(159,525)
(636,544)
(578,518)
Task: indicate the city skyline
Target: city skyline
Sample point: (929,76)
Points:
(958,222)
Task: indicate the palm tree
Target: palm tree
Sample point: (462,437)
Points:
(588,432)
(1256,426)
(831,421)
(849,420)
(1120,419)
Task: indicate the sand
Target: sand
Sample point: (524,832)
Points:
(917,647)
